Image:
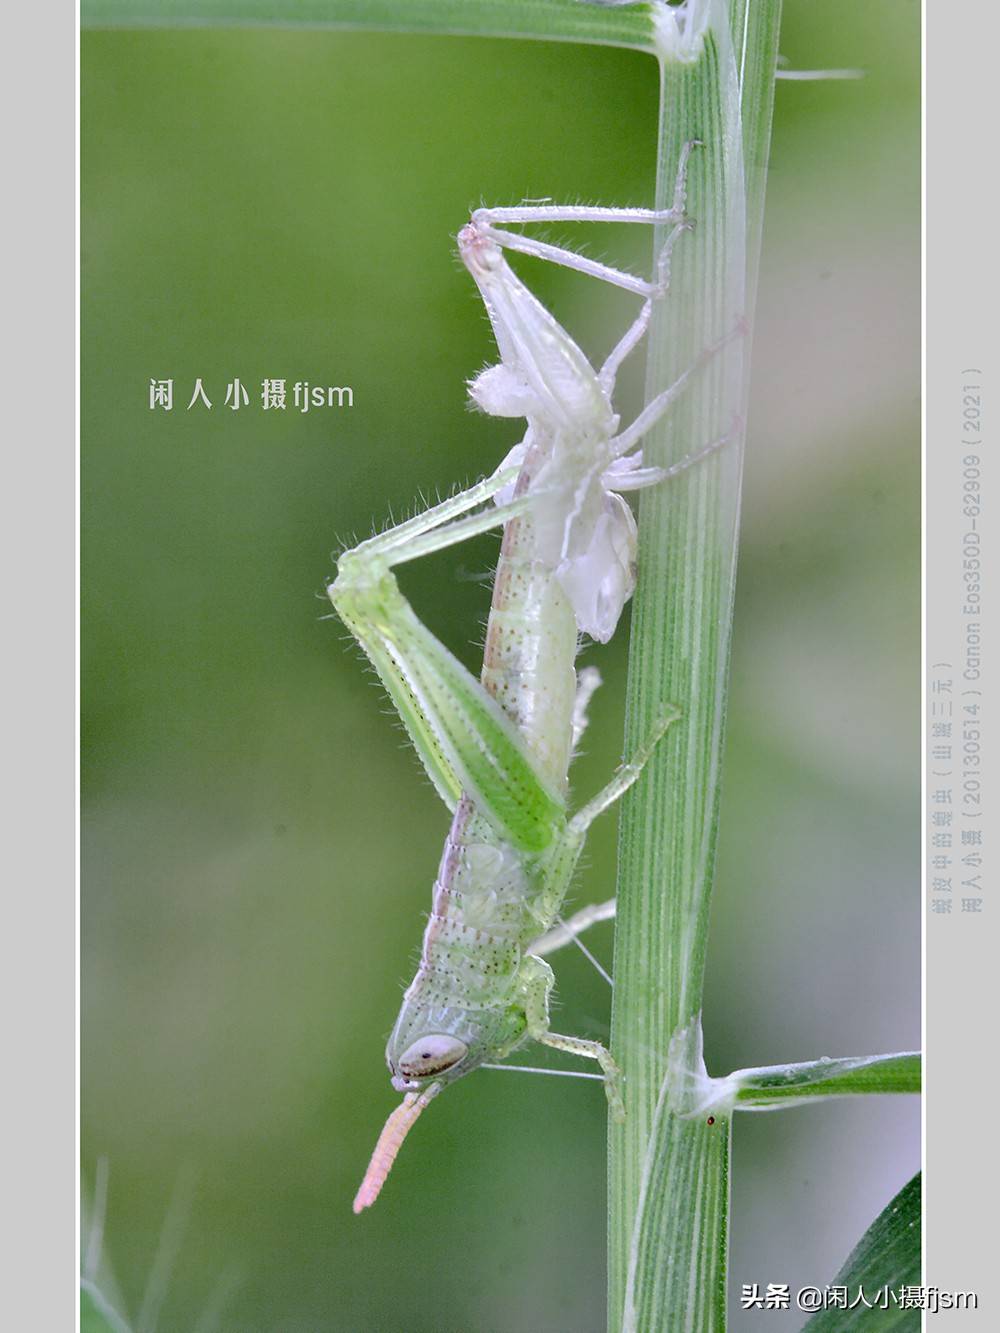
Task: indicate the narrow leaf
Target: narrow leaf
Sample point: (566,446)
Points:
(560,20)
(788,1085)
(886,1257)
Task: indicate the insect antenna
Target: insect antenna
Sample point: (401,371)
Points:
(557,1073)
(598,967)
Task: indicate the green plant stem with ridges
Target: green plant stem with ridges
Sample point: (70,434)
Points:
(669,1172)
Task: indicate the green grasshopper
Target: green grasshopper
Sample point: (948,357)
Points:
(498,749)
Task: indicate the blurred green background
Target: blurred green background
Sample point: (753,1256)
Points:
(259,844)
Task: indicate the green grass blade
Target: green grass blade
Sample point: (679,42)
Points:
(787,1085)
(887,1255)
(560,20)
(97,1315)
(668,1220)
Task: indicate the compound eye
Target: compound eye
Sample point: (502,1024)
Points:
(431,1055)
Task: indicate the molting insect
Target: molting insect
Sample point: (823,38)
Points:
(498,750)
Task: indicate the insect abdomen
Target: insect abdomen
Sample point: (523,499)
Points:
(530,647)
(481,914)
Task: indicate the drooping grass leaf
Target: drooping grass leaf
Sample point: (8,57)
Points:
(559,20)
(787,1085)
(886,1257)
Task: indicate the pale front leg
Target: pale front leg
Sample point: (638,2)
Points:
(537,980)
(572,928)
(587,681)
(622,780)
(634,335)
(486,221)
(654,410)
(628,474)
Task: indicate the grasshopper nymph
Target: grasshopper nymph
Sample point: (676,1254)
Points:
(498,749)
